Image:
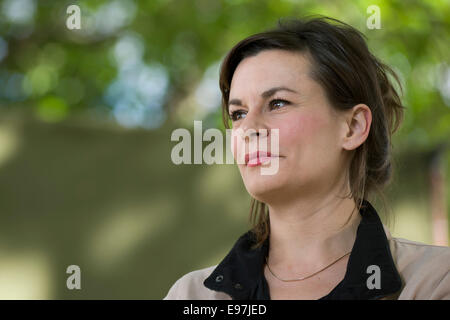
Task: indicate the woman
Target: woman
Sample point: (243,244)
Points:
(315,234)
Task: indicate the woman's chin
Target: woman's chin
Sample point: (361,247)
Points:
(262,191)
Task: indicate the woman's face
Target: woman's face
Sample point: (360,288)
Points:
(311,157)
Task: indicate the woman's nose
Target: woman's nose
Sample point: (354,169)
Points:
(254,126)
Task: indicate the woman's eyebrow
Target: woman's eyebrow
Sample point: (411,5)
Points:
(266,94)
(272,91)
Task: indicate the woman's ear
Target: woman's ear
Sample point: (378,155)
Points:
(357,123)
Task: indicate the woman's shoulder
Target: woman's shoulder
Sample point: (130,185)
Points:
(190,287)
(424,268)
(408,251)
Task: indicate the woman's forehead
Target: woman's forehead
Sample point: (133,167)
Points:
(273,60)
(269,69)
(299,85)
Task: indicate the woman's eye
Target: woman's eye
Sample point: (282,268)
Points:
(274,104)
(236,115)
(277,103)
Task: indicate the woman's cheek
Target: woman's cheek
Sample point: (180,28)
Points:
(297,129)
(312,125)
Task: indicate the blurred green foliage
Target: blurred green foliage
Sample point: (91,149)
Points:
(55,72)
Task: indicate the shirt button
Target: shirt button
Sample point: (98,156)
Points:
(219,278)
(238,286)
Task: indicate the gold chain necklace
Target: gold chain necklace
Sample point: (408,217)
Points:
(303,278)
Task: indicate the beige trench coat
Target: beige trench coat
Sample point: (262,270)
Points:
(424,270)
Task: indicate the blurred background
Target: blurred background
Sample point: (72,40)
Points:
(86,117)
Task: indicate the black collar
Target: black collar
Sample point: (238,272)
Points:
(241,272)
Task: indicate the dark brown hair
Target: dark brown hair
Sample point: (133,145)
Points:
(343,65)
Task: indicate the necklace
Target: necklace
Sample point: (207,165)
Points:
(303,278)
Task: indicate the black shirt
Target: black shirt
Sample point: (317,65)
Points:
(241,272)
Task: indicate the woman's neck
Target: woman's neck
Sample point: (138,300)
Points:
(307,235)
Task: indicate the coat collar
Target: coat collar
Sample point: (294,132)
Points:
(241,272)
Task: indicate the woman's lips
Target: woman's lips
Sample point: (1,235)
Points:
(257,158)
